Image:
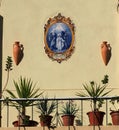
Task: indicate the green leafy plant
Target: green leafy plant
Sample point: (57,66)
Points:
(94,91)
(46,107)
(115,103)
(115,111)
(69,108)
(25,89)
(8,68)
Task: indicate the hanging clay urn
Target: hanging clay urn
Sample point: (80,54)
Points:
(106,52)
(18,52)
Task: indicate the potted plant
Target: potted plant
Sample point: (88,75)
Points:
(24,89)
(95,91)
(46,108)
(8,68)
(68,112)
(115,112)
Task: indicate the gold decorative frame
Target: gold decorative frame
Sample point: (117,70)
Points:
(61,54)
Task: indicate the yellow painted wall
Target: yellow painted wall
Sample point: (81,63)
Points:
(95,21)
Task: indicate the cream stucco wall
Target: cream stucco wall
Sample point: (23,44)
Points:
(95,21)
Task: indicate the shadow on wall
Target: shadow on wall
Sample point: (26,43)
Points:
(1,45)
(1,33)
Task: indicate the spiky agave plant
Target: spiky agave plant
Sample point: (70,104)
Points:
(25,88)
(69,108)
(46,107)
(95,91)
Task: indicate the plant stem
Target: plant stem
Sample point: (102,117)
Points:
(7,79)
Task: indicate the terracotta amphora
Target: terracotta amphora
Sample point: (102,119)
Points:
(106,52)
(18,52)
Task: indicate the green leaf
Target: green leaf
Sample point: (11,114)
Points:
(24,89)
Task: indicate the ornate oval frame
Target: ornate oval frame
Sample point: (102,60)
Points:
(59,33)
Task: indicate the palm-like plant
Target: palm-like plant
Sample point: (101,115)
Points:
(46,107)
(25,89)
(69,108)
(95,91)
(115,103)
(69,111)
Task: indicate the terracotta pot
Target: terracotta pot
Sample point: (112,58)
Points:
(15,123)
(45,120)
(106,52)
(115,117)
(96,118)
(30,124)
(18,52)
(68,120)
